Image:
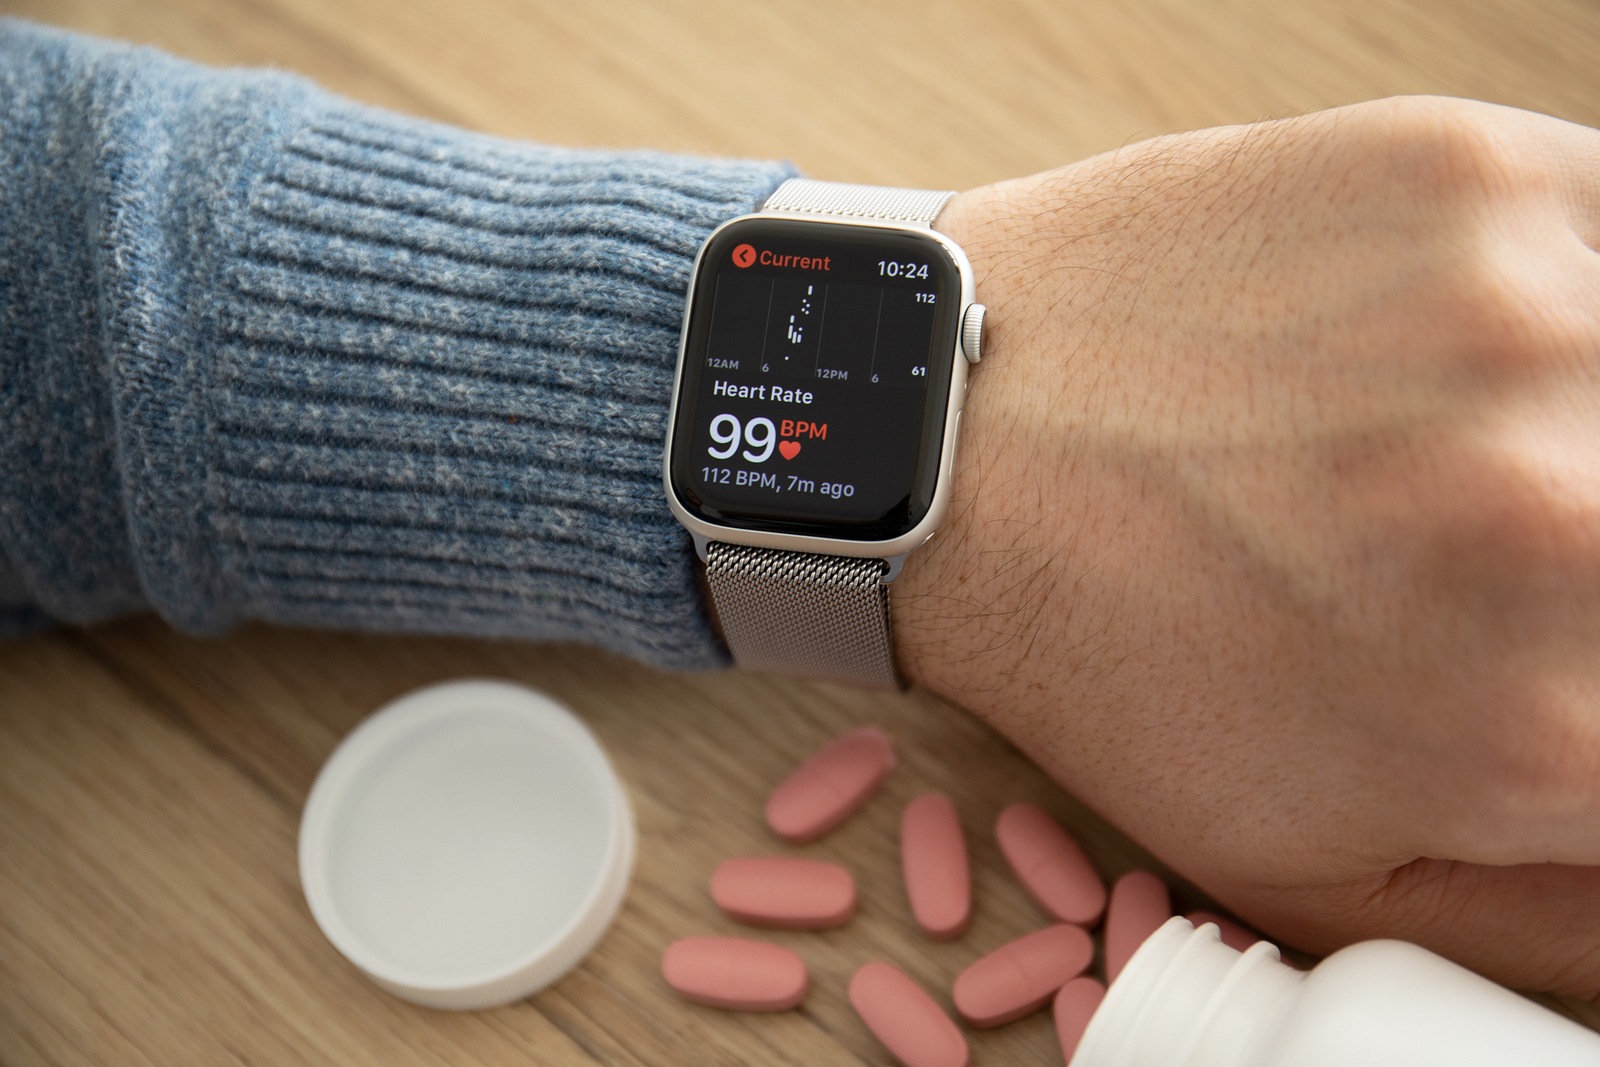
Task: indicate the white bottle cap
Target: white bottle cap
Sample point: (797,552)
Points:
(467,845)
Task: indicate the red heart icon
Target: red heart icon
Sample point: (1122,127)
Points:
(790,449)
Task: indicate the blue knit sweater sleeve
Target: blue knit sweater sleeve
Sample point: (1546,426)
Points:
(268,354)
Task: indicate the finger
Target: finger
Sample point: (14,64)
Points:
(1533,927)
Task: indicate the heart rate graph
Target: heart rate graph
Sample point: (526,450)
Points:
(800,318)
(797,328)
(795,316)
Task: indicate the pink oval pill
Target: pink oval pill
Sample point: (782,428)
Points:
(902,1015)
(783,891)
(1050,864)
(1233,935)
(933,854)
(827,788)
(1139,905)
(734,973)
(1021,976)
(1075,1006)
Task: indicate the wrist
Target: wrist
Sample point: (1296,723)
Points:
(947,637)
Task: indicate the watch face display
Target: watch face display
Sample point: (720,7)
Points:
(816,373)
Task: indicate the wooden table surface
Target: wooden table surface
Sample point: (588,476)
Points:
(151,784)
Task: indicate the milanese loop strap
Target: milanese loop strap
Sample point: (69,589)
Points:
(857,201)
(824,617)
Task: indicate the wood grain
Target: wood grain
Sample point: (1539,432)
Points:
(150,784)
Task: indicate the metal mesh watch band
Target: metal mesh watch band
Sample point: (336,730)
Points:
(857,201)
(824,617)
(801,613)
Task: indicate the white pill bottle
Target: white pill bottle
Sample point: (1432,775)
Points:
(1187,1000)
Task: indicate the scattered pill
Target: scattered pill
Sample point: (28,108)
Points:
(827,788)
(783,891)
(735,973)
(908,1021)
(1021,976)
(1075,1006)
(933,854)
(1139,905)
(1008,983)
(1233,935)
(1051,865)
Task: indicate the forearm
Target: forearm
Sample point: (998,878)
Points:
(271,355)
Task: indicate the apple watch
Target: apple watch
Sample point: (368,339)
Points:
(821,374)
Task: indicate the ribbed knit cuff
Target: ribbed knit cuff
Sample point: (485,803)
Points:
(441,387)
(365,371)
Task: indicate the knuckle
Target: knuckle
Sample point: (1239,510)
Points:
(1509,320)
(1524,528)
(1453,150)
(1471,197)
(1543,755)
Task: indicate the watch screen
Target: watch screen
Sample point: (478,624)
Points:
(816,373)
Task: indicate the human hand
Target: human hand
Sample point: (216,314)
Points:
(1276,535)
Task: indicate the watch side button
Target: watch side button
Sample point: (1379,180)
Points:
(972,332)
